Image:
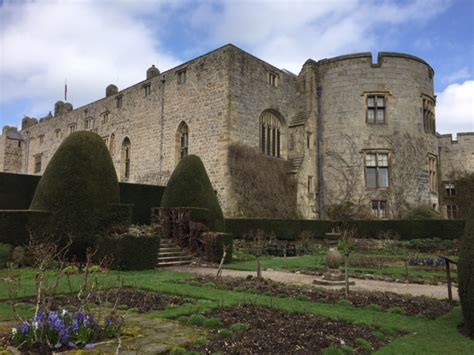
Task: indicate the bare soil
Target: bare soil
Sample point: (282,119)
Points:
(429,308)
(141,300)
(272,331)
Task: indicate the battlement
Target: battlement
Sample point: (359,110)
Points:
(462,137)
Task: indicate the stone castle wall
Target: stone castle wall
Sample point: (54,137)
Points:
(403,81)
(324,131)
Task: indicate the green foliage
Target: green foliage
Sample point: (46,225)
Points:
(291,229)
(334,350)
(466,274)
(379,335)
(430,245)
(129,252)
(261,184)
(143,198)
(5,254)
(215,244)
(20,256)
(397,310)
(345,303)
(225,333)
(213,323)
(464,198)
(364,345)
(16,225)
(348,211)
(77,187)
(374,307)
(197,320)
(189,186)
(423,213)
(16,190)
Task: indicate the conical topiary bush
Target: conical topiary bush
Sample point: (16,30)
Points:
(189,186)
(77,188)
(466,274)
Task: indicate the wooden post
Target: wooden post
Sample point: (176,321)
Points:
(448,273)
(224,254)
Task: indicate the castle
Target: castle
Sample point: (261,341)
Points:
(350,129)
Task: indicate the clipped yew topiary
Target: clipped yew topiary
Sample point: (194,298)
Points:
(466,274)
(77,188)
(189,186)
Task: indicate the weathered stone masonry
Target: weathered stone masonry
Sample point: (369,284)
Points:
(330,122)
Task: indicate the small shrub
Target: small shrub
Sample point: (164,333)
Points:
(238,328)
(374,307)
(423,212)
(200,341)
(213,323)
(388,331)
(71,269)
(347,350)
(240,289)
(345,303)
(20,256)
(397,310)
(225,333)
(466,274)
(197,320)
(303,298)
(5,254)
(364,345)
(379,335)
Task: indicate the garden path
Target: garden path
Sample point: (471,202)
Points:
(434,291)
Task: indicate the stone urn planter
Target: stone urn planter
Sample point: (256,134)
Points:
(334,261)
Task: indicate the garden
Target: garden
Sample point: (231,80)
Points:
(84,279)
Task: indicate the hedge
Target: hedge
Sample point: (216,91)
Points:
(291,229)
(130,252)
(16,192)
(15,225)
(214,246)
(143,198)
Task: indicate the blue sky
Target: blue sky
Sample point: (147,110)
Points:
(95,43)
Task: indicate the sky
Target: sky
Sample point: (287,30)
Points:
(91,44)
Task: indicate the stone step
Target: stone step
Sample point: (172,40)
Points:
(170,258)
(174,263)
(167,249)
(172,253)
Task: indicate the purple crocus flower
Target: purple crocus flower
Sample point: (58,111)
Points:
(89,347)
(75,325)
(25,328)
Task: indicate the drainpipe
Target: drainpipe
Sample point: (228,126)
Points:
(322,214)
(162,118)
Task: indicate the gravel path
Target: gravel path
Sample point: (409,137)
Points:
(440,292)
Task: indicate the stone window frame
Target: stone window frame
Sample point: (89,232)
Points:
(182,141)
(71,128)
(452,211)
(37,163)
(57,132)
(146,89)
(119,102)
(273,78)
(106,140)
(310,184)
(386,98)
(271,133)
(309,135)
(377,168)
(433,172)
(379,208)
(125,163)
(181,76)
(449,189)
(89,122)
(428,105)
(105,117)
(41,138)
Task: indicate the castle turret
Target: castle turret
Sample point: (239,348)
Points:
(27,122)
(111,90)
(61,108)
(152,72)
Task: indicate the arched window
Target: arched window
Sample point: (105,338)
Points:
(182,139)
(112,144)
(125,159)
(270,134)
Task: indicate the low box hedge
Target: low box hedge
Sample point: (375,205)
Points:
(130,252)
(16,226)
(292,229)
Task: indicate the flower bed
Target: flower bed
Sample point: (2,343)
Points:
(60,331)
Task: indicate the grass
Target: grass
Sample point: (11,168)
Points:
(423,336)
(316,263)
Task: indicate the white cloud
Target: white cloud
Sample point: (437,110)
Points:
(288,33)
(455,108)
(92,44)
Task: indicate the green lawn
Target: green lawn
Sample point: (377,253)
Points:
(316,263)
(424,336)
